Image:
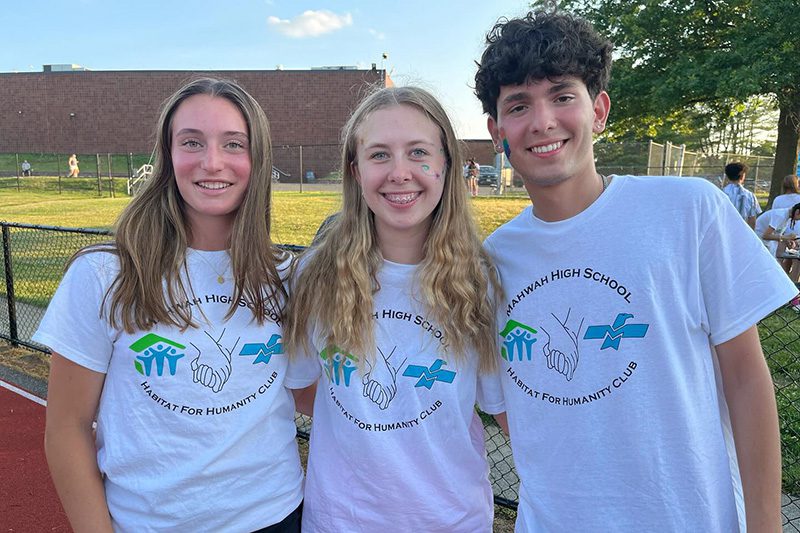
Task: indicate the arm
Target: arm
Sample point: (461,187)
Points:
(73,396)
(502,421)
(751,401)
(304,399)
(751,221)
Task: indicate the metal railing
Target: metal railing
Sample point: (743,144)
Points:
(33,262)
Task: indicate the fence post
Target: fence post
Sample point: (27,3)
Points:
(301,168)
(665,157)
(130,164)
(16,157)
(12,307)
(110,177)
(680,162)
(649,157)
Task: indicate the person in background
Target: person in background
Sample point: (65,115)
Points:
(473,171)
(74,171)
(781,234)
(636,390)
(790,195)
(170,338)
(744,201)
(26,168)
(393,310)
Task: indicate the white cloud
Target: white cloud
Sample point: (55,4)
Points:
(311,23)
(377,34)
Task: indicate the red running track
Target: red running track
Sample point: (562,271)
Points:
(28,500)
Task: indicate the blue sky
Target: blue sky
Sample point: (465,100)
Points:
(429,43)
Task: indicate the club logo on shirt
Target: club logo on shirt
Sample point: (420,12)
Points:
(518,340)
(339,365)
(154,348)
(263,352)
(429,376)
(613,334)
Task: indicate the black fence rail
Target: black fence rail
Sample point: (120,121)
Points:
(34,258)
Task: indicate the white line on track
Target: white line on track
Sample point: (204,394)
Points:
(23,393)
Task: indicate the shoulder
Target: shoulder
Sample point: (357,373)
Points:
(672,187)
(521,222)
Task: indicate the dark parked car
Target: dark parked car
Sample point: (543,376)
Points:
(488,176)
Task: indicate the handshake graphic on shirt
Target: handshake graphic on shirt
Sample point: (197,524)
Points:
(380,381)
(212,368)
(561,348)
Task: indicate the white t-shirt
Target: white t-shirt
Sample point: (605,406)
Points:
(195,430)
(617,419)
(396,444)
(785,201)
(775,218)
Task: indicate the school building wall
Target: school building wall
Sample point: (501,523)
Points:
(116,111)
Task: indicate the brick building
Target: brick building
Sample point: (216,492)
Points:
(116,111)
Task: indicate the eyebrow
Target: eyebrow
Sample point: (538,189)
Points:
(409,143)
(522,95)
(192,131)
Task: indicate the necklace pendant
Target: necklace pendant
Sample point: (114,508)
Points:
(220,280)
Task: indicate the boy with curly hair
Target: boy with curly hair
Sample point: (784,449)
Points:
(637,394)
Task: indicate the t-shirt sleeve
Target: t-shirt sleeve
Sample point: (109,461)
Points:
(741,282)
(490,393)
(73,325)
(303,370)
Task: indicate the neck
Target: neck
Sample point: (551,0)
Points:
(405,247)
(210,235)
(566,199)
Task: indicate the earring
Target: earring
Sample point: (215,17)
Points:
(498,148)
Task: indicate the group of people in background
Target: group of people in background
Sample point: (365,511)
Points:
(777,227)
(633,386)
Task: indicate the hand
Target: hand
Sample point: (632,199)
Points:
(561,348)
(380,381)
(213,368)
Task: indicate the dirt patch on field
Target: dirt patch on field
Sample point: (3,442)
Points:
(34,364)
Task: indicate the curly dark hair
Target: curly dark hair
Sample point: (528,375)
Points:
(542,44)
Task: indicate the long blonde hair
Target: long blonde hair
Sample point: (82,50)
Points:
(152,233)
(456,279)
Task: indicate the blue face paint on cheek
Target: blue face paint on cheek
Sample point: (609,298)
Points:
(506,147)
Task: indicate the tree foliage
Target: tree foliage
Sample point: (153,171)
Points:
(684,63)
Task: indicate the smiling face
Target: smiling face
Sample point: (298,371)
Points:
(211,160)
(546,128)
(400,166)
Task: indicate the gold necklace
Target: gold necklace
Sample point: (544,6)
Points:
(220,275)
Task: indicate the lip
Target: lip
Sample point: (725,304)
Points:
(548,149)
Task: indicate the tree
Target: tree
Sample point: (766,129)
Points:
(673,55)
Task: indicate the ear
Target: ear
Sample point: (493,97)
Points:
(494,130)
(602,106)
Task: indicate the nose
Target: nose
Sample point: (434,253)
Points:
(400,171)
(542,118)
(212,159)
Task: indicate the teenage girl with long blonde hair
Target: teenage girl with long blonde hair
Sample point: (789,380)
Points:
(392,310)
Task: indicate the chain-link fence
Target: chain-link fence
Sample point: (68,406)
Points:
(34,258)
(99,174)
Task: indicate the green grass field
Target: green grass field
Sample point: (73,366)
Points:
(38,256)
